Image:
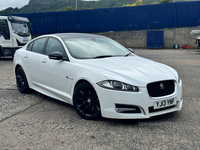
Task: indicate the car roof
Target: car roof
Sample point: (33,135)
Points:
(76,35)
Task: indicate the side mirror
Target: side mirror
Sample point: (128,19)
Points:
(56,55)
(131,50)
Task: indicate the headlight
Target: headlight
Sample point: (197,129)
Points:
(117,85)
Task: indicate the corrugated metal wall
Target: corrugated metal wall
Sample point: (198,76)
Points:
(184,14)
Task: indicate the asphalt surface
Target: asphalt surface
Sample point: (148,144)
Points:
(34,121)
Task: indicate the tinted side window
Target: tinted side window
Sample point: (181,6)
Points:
(29,47)
(54,45)
(4,30)
(38,45)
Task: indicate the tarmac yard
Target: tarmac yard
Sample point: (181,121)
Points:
(34,121)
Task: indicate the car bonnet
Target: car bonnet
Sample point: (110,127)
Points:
(133,69)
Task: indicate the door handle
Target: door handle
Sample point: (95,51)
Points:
(26,56)
(44,61)
(70,78)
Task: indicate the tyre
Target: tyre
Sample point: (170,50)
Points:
(86,102)
(21,80)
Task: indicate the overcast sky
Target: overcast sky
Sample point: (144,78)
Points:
(12,3)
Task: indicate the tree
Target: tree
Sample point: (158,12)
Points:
(69,8)
(137,3)
(165,1)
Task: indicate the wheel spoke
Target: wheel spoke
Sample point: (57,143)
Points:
(98,108)
(81,105)
(78,98)
(82,94)
(20,81)
(85,108)
(19,76)
(91,110)
(93,97)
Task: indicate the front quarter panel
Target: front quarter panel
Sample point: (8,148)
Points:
(77,73)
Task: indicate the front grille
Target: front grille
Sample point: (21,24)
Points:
(20,44)
(151,110)
(161,88)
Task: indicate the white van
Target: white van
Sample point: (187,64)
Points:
(15,32)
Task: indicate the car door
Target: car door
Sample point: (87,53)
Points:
(54,72)
(31,59)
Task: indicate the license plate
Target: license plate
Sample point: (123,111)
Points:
(164,103)
(25,39)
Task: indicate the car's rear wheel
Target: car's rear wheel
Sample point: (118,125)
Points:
(21,80)
(86,102)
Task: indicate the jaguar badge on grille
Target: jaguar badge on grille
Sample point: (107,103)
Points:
(162,87)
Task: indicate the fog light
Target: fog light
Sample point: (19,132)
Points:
(121,110)
(127,108)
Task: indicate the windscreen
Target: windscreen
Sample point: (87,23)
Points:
(20,28)
(87,48)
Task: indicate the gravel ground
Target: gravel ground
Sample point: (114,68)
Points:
(34,121)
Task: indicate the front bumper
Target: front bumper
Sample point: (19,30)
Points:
(109,98)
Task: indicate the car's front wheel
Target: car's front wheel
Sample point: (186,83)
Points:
(21,80)
(86,102)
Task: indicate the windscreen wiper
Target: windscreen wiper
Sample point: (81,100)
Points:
(103,56)
(127,54)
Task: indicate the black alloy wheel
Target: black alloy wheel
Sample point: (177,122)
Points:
(21,80)
(86,102)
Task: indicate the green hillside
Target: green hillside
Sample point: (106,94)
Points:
(36,6)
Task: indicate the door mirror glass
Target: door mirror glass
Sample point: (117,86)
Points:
(56,55)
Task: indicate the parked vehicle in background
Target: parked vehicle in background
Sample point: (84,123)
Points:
(15,32)
(196,33)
